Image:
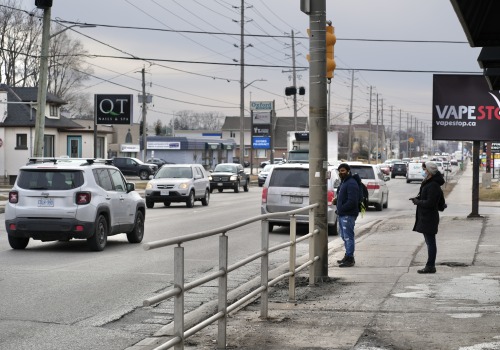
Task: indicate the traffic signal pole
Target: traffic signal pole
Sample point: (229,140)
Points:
(318,164)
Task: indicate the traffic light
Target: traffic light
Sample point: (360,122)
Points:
(331,39)
(43,4)
(290,90)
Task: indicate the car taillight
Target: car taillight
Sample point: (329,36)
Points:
(330,197)
(13,197)
(264,195)
(372,186)
(83,198)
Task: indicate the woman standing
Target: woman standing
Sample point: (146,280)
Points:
(427,216)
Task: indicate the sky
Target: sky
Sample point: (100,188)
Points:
(177,85)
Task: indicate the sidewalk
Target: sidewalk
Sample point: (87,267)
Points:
(382,302)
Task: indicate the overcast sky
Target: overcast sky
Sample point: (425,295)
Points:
(215,87)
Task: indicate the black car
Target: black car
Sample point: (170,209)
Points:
(229,176)
(134,167)
(398,169)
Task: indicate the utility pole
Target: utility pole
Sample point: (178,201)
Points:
(370,130)
(144,124)
(242,86)
(407,135)
(390,136)
(318,165)
(294,79)
(400,154)
(42,84)
(376,156)
(349,147)
(382,124)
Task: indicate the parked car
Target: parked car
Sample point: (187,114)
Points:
(414,172)
(73,199)
(261,178)
(178,183)
(229,176)
(287,188)
(398,169)
(158,161)
(135,167)
(375,182)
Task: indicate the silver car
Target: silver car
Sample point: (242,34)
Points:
(287,188)
(178,183)
(375,182)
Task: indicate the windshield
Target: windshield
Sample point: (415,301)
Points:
(175,173)
(49,179)
(268,168)
(285,177)
(225,168)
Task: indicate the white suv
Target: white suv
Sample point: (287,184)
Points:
(179,183)
(61,199)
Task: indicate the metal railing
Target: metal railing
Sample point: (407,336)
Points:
(180,334)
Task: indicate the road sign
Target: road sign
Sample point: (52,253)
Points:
(411,139)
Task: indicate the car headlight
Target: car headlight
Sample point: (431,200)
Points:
(184,186)
(233,177)
(149,186)
(209,177)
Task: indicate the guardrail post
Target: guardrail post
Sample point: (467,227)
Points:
(179,299)
(312,270)
(222,324)
(293,256)
(264,268)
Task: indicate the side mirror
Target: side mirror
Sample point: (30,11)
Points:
(197,176)
(130,187)
(387,178)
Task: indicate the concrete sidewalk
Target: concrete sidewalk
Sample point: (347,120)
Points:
(382,302)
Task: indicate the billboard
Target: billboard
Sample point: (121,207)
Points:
(113,109)
(464,109)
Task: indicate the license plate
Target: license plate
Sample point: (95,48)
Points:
(164,192)
(295,200)
(46,202)
(219,184)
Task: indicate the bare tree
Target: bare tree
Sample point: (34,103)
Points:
(20,40)
(189,120)
(19,35)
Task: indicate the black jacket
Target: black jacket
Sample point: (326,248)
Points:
(427,216)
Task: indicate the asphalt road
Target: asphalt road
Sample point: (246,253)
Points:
(58,295)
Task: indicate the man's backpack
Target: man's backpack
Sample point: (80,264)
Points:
(363,194)
(442,203)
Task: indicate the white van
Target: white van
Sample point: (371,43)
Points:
(414,172)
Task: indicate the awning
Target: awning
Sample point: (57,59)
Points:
(212,145)
(479,20)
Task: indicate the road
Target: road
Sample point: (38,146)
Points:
(58,295)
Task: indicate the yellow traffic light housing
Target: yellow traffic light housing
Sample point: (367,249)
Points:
(331,39)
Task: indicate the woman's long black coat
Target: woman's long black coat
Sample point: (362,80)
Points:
(427,216)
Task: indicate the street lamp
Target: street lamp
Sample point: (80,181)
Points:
(42,80)
(242,118)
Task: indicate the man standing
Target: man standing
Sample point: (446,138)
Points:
(347,212)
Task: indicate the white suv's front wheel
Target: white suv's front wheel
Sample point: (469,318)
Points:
(98,240)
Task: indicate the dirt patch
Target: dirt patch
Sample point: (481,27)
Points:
(491,194)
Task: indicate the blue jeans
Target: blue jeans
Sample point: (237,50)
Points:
(346,231)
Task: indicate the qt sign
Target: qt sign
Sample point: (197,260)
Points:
(113,109)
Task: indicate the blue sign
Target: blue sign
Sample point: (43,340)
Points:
(263,142)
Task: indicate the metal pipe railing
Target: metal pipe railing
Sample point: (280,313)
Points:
(223,309)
